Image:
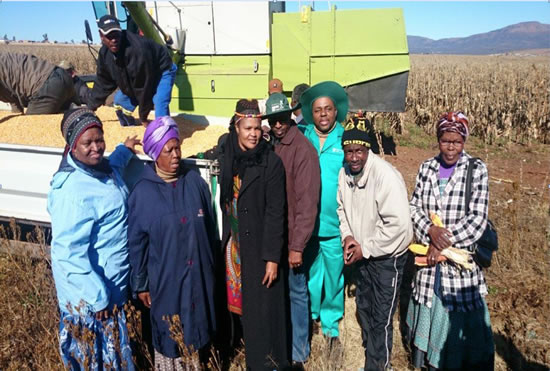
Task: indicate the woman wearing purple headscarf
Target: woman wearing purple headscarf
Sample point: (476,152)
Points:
(171,235)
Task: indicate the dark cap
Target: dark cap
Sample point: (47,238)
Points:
(356,131)
(107,24)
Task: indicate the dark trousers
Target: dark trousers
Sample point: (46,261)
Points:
(378,282)
(54,96)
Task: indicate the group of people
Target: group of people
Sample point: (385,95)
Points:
(302,195)
(296,209)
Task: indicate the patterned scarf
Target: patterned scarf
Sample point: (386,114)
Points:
(453,122)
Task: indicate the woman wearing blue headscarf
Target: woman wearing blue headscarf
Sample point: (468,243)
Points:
(87,205)
(172,236)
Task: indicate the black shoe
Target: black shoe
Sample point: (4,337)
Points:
(297,366)
(125,120)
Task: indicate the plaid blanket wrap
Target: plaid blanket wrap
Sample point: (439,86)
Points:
(461,290)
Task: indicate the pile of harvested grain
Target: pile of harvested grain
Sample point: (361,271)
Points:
(44,130)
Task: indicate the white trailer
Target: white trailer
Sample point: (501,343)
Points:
(26,173)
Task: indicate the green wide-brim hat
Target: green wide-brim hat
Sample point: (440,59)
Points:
(330,89)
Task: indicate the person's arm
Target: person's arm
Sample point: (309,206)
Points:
(274,214)
(345,229)
(209,217)
(394,221)
(306,188)
(352,248)
(104,85)
(82,91)
(470,228)
(421,221)
(72,228)
(138,245)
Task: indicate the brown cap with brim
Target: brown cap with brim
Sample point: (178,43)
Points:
(275,86)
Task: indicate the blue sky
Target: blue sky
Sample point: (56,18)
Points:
(63,21)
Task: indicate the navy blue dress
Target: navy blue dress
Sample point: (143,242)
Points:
(171,236)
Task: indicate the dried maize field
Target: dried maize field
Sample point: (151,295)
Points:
(505,97)
(55,53)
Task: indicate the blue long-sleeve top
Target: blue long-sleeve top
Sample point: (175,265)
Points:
(89,248)
(172,239)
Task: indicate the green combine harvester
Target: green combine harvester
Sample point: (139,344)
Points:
(230,50)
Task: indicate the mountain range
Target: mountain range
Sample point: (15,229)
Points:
(519,36)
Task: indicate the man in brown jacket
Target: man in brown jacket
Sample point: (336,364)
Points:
(302,188)
(31,82)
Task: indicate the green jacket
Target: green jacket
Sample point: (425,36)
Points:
(331,159)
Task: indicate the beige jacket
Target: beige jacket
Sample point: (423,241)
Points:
(374,210)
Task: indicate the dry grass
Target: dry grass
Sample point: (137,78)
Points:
(28,314)
(506,98)
(77,54)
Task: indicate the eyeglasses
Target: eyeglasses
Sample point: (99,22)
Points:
(447,143)
(274,122)
(113,35)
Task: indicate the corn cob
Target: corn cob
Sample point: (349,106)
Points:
(458,256)
(418,249)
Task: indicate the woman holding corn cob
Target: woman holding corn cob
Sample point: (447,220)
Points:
(448,319)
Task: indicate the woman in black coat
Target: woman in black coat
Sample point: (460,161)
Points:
(253,206)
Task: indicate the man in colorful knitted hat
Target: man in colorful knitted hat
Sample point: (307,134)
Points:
(375,225)
(324,107)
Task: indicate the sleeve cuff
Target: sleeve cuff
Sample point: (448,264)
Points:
(297,248)
(140,283)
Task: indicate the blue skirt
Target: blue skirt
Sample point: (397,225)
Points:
(442,339)
(88,344)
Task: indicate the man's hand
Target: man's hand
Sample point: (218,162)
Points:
(439,237)
(295,259)
(132,142)
(145,298)
(270,274)
(352,251)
